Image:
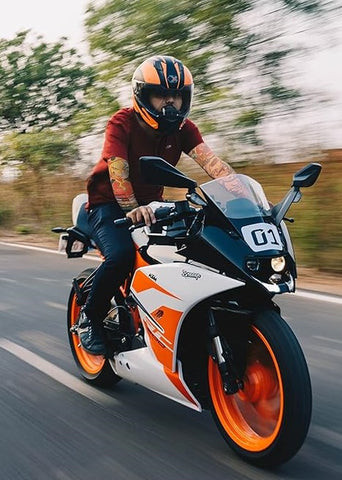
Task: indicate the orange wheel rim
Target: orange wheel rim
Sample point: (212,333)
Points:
(252,417)
(92,364)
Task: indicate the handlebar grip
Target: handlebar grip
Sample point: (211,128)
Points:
(123,222)
(162,212)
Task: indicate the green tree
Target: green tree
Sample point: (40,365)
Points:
(101,104)
(236,50)
(39,151)
(42,85)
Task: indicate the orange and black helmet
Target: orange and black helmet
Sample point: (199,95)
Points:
(162,76)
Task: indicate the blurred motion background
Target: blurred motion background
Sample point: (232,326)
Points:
(268,98)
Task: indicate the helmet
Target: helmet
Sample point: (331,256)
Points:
(162,75)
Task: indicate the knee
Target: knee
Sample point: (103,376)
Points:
(119,257)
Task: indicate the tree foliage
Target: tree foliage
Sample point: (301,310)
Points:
(38,151)
(42,85)
(235,49)
(101,103)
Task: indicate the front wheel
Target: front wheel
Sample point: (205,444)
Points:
(267,421)
(93,368)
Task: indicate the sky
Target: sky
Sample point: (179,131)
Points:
(323,70)
(52,19)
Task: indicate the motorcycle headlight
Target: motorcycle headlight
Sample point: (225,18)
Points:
(278,264)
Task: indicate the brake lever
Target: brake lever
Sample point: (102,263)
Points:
(196,224)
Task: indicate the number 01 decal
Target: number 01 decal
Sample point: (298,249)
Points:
(262,236)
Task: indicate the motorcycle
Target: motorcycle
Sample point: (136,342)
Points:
(195,320)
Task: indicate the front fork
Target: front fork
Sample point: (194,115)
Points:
(222,354)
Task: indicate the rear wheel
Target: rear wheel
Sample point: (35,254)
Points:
(267,421)
(94,368)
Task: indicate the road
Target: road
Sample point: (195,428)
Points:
(55,426)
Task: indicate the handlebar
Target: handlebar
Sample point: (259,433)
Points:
(164,216)
(122,222)
(161,213)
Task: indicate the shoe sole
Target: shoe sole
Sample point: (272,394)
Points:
(93,353)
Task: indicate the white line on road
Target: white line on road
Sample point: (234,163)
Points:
(7,280)
(58,374)
(59,306)
(326,350)
(46,250)
(319,296)
(44,279)
(299,293)
(327,339)
(30,247)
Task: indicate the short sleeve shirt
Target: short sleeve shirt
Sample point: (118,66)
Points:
(125,138)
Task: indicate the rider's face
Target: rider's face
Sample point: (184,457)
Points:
(159,101)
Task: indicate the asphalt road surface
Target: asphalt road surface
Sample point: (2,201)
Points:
(56,426)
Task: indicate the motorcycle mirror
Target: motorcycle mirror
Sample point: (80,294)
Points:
(156,171)
(307,176)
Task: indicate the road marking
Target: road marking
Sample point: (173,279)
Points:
(327,436)
(59,306)
(43,279)
(299,293)
(47,250)
(30,247)
(7,280)
(327,339)
(322,434)
(319,297)
(57,374)
(329,351)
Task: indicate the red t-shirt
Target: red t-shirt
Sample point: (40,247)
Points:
(125,138)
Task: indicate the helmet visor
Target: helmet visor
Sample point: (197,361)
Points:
(146,91)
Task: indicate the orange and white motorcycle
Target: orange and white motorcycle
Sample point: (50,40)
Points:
(196,321)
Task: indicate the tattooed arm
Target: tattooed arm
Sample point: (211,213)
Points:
(210,163)
(216,168)
(122,188)
(124,194)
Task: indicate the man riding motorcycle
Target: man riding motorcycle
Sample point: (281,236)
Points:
(157,124)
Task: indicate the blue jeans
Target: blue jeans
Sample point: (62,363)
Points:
(116,245)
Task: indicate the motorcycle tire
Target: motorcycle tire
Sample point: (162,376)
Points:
(267,421)
(95,369)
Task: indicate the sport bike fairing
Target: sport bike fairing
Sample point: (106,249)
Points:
(164,295)
(242,200)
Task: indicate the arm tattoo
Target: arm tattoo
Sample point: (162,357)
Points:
(122,188)
(210,163)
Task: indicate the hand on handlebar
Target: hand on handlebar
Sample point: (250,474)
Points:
(143,214)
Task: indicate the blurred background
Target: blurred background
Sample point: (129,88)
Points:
(268,98)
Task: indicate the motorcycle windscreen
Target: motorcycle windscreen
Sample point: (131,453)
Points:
(237,196)
(242,200)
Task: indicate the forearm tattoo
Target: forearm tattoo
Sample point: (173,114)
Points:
(212,164)
(122,188)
